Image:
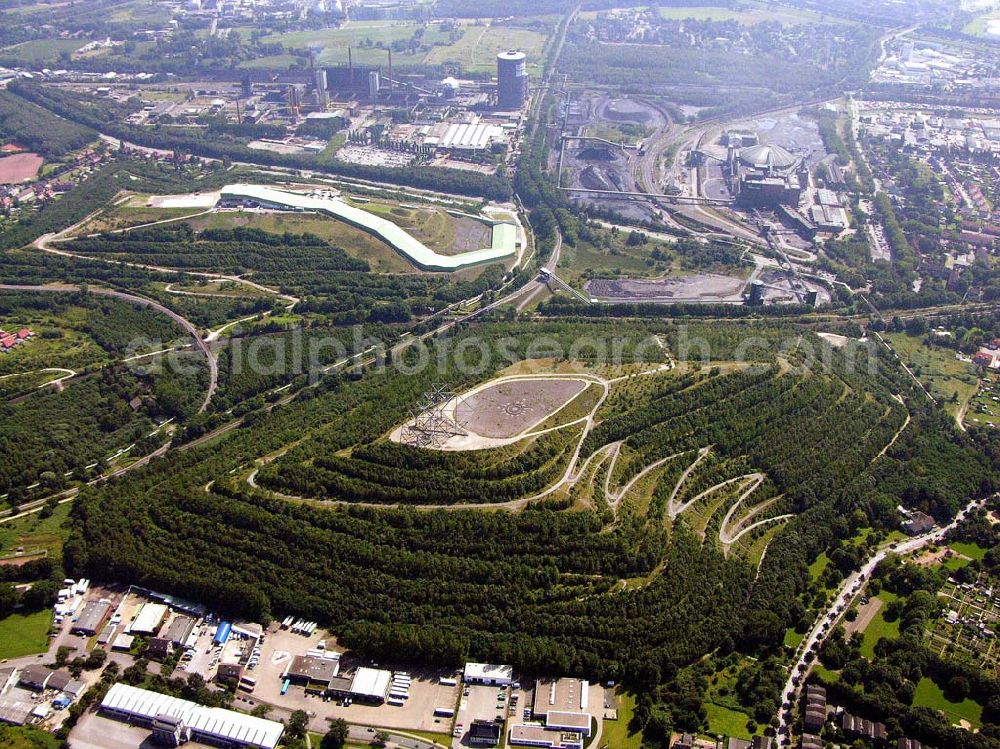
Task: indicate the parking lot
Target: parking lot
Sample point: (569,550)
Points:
(488,703)
(94,731)
(426,692)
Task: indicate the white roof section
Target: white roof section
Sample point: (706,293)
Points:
(234,727)
(488,671)
(371,682)
(149,619)
(418,253)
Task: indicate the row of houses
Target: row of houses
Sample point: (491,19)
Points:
(10,340)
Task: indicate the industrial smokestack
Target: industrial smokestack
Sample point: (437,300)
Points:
(390,70)
(350,66)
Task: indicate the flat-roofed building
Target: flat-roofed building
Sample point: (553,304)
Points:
(489,674)
(209,725)
(567,695)
(312,672)
(59,680)
(563,705)
(93,618)
(484,733)
(339,686)
(7,678)
(107,634)
(534,735)
(557,720)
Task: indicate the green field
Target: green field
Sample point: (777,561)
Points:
(725,722)
(474,49)
(879,627)
(937,369)
(825,674)
(979,26)
(616,733)
(44,51)
(36,532)
(968,549)
(477,49)
(24,634)
(363,37)
(792,638)
(750,15)
(931,695)
(818,567)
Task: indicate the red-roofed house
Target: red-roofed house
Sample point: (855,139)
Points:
(8,342)
(23,333)
(982,359)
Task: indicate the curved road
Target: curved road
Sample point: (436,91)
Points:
(806,653)
(213,366)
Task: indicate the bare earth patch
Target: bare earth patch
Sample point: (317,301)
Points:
(19,168)
(509,408)
(866,613)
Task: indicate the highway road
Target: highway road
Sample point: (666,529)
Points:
(849,588)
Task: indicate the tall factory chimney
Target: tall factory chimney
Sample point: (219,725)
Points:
(390,71)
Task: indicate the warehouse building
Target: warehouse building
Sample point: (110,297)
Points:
(149,619)
(92,619)
(312,672)
(179,630)
(35,678)
(488,674)
(175,721)
(566,696)
(371,685)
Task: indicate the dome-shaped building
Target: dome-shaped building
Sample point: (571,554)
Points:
(765,175)
(768,158)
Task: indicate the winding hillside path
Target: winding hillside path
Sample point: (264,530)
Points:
(213,365)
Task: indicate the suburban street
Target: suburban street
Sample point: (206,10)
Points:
(849,588)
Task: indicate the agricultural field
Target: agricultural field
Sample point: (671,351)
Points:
(963,639)
(470,47)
